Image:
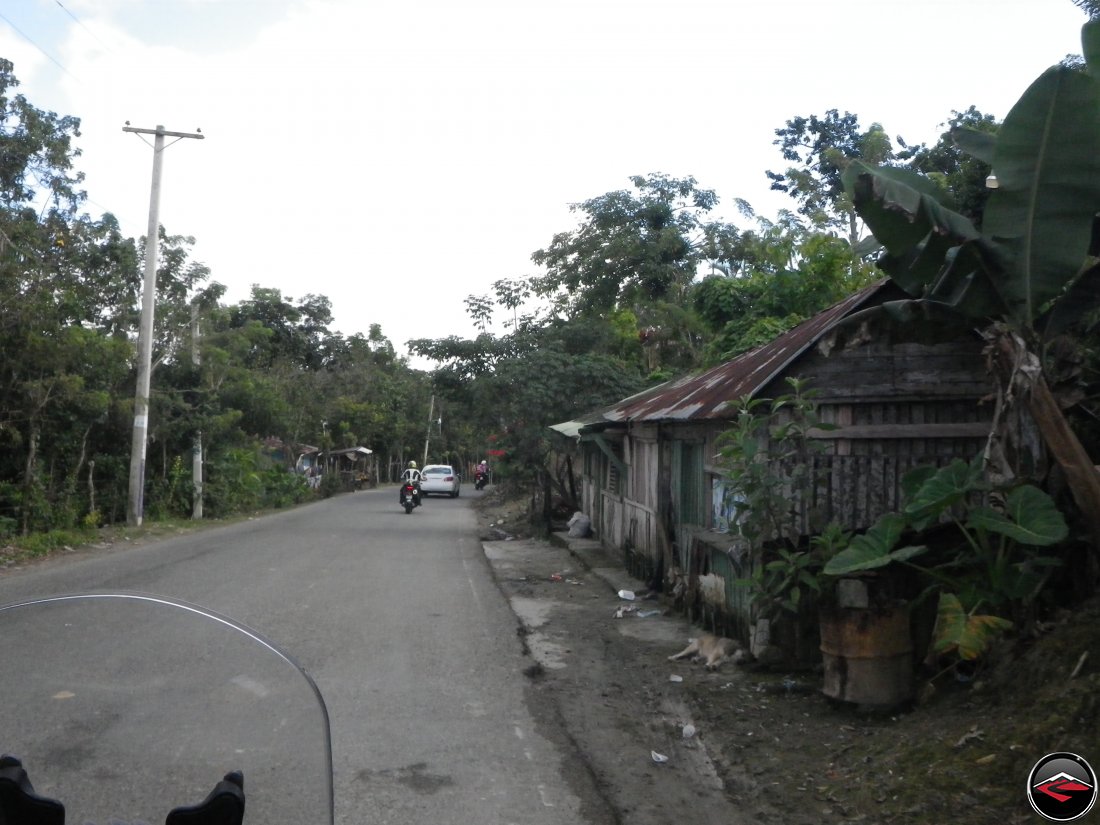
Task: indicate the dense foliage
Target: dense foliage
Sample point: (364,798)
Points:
(260,380)
(650,282)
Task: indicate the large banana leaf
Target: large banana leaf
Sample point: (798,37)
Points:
(1077,302)
(1038,224)
(1047,162)
(932,252)
(1090,45)
(975,143)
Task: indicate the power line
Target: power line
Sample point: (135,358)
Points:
(49,57)
(80,23)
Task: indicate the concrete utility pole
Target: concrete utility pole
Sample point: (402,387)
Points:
(428,436)
(135,503)
(196,449)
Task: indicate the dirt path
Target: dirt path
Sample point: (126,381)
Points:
(617,707)
(768,747)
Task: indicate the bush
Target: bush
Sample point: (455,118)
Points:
(284,489)
(41,544)
(234,484)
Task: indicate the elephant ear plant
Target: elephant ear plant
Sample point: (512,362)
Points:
(989,560)
(1030,272)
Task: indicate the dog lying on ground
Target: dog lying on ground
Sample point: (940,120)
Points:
(712,650)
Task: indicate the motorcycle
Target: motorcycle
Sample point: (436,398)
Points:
(480,480)
(127,708)
(410,496)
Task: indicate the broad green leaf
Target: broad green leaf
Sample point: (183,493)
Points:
(949,486)
(884,533)
(1047,163)
(1081,299)
(971,281)
(913,480)
(974,142)
(950,620)
(932,251)
(921,264)
(1090,45)
(969,636)
(908,552)
(1030,517)
(873,549)
(1023,581)
(986,518)
(901,207)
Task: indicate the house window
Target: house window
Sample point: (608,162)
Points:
(615,482)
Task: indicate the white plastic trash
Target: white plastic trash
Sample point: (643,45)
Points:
(628,595)
(658,757)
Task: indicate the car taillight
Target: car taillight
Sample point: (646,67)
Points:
(449,478)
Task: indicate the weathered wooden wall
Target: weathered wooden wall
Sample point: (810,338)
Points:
(896,405)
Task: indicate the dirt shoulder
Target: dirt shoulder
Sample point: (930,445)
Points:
(767,745)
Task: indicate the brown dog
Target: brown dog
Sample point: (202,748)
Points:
(713,650)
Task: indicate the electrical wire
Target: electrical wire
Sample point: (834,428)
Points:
(80,23)
(49,57)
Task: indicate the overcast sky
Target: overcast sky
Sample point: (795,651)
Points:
(399,156)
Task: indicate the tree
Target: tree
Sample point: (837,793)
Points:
(36,152)
(820,148)
(67,284)
(630,248)
(785,273)
(640,252)
(544,371)
(299,332)
(1031,271)
(961,174)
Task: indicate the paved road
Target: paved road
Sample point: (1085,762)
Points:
(397,618)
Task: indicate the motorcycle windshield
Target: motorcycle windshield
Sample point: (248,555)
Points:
(123,707)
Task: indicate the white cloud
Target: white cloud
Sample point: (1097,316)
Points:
(354,148)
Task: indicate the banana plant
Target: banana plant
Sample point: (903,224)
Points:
(1033,268)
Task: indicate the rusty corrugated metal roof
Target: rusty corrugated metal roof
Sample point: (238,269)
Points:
(706,395)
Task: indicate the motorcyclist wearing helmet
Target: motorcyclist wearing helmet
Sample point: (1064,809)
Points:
(411,474)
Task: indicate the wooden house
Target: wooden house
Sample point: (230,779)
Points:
(898,397)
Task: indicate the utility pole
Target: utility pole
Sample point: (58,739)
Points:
(196,448)
(135,503)
(428,436)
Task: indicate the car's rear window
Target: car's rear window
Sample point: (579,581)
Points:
(438,471)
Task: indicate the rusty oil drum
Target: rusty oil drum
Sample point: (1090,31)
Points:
(868,655)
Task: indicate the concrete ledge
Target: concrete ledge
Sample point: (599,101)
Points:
(592,554)
(562,539)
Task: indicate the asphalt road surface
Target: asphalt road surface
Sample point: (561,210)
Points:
(397,619)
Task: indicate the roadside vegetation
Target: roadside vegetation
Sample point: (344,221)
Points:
(650,281)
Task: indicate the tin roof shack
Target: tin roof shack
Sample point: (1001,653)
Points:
(898,397)
(353,465)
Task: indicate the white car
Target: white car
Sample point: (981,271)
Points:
(439,478)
